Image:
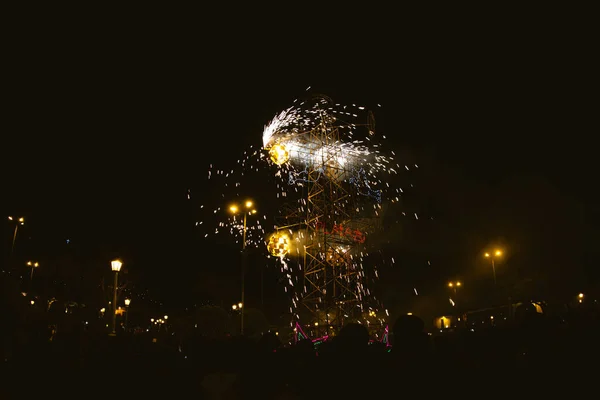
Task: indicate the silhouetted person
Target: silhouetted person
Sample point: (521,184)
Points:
(411,345)
(347,359)
(352,338)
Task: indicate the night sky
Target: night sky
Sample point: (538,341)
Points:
(101,148)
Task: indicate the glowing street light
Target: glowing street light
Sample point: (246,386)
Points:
(247,209)
(33,265)
(18,221)
(115,265)
(454,286)
(127,303)
(492,256)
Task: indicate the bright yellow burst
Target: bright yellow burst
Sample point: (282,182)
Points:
(279,154)
(279,244)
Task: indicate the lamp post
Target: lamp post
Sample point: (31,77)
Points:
(18,221)
(127,303)
(454,286)
(115,265)
(33,265)
(247,209)
(493,256)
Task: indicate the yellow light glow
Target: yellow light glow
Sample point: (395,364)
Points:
(580,295)
(458,283)
(279,244)
(498,253)
(450,284)
(487,254)
(279,154)
(234,209)
(249,204)
(116,265)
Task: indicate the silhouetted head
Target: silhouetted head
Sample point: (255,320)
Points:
(408,326)
(353,335)
(269,341)
(410,339)
(305,346)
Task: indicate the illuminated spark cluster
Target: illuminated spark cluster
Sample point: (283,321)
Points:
(288,143)
(356,156)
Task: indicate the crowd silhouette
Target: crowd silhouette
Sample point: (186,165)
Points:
(532,355)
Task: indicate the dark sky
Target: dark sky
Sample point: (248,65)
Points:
(102,143)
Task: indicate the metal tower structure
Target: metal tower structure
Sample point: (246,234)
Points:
(332,282)
(335,213)
(330,279)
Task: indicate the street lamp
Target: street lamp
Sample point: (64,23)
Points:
(454,286)
(493,256)
(115,265)
(127,303)
(33,265)
(18,221)
(246,209)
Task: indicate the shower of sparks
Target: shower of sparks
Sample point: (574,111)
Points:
(286,155)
